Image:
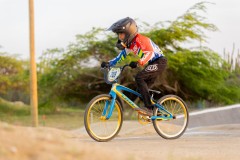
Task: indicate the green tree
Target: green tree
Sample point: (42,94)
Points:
(196,73)
(13,78)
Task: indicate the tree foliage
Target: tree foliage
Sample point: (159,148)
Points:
(73,75)
(192,73)
(14,81)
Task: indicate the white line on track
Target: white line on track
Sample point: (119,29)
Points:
(215,109)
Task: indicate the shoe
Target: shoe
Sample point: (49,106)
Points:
(145,110)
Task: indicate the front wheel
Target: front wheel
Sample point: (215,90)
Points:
(97,126)
(175,127)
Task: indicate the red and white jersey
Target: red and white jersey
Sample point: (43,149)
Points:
(141,46)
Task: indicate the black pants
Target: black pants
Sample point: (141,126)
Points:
(147,76)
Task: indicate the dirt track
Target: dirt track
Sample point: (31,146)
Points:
(133,142)
(219,142)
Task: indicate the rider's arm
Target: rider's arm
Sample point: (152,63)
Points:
(149,49)
(121,56)
(145,50)
(148,55)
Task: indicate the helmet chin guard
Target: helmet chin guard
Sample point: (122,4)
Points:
(120,45)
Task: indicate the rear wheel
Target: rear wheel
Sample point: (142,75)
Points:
(172,128)
(97,126)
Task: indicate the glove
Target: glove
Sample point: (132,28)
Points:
(133,64)
(105,64)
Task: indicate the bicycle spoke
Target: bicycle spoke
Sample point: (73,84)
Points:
(174,107)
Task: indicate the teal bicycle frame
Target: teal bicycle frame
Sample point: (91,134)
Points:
(116,91)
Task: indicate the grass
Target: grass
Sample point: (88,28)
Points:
(19,114)
(64,118)
(67,118)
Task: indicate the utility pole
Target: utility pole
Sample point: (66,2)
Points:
(33,71)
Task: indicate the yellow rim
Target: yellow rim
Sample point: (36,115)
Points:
(102,121)
(174,102)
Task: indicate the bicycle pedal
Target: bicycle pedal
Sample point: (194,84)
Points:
(144,119)
(142,112)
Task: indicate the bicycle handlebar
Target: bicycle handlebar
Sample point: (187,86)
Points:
(122,68)
(106,69)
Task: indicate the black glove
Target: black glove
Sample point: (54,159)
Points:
(133,64)
(105,64)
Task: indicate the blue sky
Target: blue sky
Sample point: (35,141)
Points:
(58,21)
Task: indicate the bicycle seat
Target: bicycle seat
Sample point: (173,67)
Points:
(154,91)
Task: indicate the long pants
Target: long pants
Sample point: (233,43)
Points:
(147,76)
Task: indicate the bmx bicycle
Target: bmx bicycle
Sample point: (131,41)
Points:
(103,115)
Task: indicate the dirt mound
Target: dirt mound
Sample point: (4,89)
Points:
(28,143)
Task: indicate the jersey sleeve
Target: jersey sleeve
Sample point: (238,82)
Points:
(147,57)
(121,56)
(147,50)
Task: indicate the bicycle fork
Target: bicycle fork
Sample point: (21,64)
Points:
(106,115)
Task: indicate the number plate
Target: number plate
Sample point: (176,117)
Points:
(113,74)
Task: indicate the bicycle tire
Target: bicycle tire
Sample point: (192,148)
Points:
(92,129)
(161,125)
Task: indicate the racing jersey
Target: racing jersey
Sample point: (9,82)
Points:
(141,46)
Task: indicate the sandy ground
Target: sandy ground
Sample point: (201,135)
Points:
(26,143)
(213,142)
(133,142)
